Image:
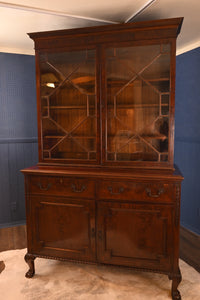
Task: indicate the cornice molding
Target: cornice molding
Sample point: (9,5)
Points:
(24,51)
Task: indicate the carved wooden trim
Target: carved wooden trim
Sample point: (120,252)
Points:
(177,207)
(105,264)
(165,236)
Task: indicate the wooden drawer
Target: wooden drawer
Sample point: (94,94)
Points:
(136,191)
(62,186)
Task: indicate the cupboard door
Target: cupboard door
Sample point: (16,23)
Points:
(68,97)
(64,228)
(137,86)
(135,235)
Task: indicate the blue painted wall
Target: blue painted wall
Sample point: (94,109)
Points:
(18,132)
(187,135)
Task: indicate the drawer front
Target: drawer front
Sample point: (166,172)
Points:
(136,191)
(62,186)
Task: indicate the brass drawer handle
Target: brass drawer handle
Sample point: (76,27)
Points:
(148,191)
(110,189)
(75,190)
(44,188)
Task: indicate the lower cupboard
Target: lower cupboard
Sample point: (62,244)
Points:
(132,223)
(125,233)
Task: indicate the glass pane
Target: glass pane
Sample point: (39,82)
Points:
(69,148)
(138,93)
(137,58)
(165,104)
(85,134)
(165,48)
(159,68)
(68,105)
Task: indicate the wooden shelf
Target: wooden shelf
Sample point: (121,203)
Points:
(157,79)
(53,136)
(120,106)
(121,82)
(68,107)
(150,137)
(110,106)
(155,137)
(127,106)
(62,136)
(144,136)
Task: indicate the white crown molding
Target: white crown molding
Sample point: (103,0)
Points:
(17,51)
(187,48)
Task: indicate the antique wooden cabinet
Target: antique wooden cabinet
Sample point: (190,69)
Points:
(105,189)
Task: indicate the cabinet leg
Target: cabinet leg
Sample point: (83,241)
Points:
(29,259)
(176,279)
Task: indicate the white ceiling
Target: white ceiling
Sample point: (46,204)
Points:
(21,16)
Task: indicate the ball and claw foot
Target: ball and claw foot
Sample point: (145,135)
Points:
(176,279)
(176,295)
(29,274)
(29,259)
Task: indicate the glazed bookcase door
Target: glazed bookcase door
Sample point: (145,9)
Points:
(68,98)
(137,85)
